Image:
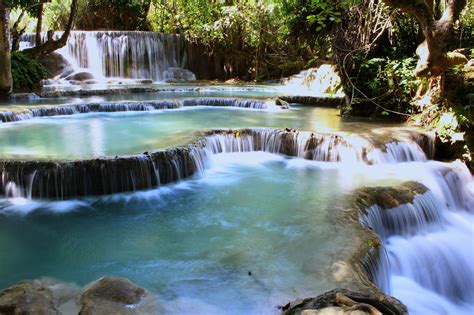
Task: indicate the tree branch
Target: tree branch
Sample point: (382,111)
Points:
(51,45)
(453,10)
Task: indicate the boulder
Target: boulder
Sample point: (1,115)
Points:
(27,298)
(345,302)
(178,75)
(111,295)
(57,65)
(80,76)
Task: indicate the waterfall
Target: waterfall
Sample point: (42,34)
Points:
(116,54)
(63,110)
(312,146)
(64,180)
(68,179)
(429,243)
(229,102)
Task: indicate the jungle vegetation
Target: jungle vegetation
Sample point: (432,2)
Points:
(398,60)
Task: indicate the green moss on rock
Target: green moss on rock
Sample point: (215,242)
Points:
(388,197)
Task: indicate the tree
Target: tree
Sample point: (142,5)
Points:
(51,44)
(6,83)
(433,51)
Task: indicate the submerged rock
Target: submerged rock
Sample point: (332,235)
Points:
(27,298)
(111,295)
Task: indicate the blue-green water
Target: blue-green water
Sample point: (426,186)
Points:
(252,232)
(125,133)
(196,240)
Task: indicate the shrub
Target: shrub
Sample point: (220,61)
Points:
(27,72)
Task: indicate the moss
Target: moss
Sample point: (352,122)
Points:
(27,72)
(388,197)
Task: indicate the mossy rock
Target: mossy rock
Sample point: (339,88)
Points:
(388,197)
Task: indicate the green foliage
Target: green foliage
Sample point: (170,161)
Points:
(310,22)
(28,5)
(130,15)
(220,23)
(466,27)
(27,72)
(251,31)
(56,14)
(391,82)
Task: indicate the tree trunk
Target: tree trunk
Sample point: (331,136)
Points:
(433,51)
(51,45)
(15,33)
(39,23)
(6,83)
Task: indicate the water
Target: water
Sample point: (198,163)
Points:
(194,243)
(124,133)
(138,55)
(430,243)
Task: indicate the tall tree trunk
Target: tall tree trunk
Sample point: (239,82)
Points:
(51,45)
(39,23)
(6,83)
(15,33)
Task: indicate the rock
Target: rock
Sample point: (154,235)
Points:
(388,197)
(345,302)
(80,76)
(111,295)
(178,75)
(333,310)
(313,100)
(57,65)
(27,298)
(145,81)
(283,104)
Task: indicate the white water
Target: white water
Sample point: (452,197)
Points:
(430,243)
(134,55)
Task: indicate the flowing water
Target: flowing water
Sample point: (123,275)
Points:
(192,244)
(138,55)
(430,243)
(251,229)
(124,133)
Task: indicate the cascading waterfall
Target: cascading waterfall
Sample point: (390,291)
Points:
(63,180)
(63,110)
(429,245)
(135,55)
(311,146)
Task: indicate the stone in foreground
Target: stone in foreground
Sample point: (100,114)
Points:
(27,298)
(111,295)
